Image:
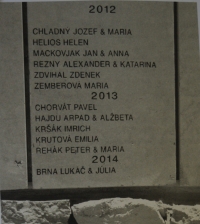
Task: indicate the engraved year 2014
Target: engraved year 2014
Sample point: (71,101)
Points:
(103,159)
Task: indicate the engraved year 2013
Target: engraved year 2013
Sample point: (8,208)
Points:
(103,95)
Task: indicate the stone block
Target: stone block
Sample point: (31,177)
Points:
(35,212)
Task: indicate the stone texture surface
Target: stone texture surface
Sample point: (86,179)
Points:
(104,211)
(185,214)
(35,212)
(13,172)
(117,210)
(189,70)
(135,211)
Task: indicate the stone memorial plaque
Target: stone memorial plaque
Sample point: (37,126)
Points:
(189,70)
(102,94)
(13,173)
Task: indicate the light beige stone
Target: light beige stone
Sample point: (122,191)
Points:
(135,211)
(117,210)
(186,214)
(35,212)
(13,172)
(147,94)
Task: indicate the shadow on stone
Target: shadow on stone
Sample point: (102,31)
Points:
(72,220)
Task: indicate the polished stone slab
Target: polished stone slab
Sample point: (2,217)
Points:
(102,94)
(189,94)
(13,172)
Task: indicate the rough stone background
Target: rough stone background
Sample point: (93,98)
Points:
(134,211)
(104,211)
(35,212)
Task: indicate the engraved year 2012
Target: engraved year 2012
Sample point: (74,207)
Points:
(103,159)
(101,9)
